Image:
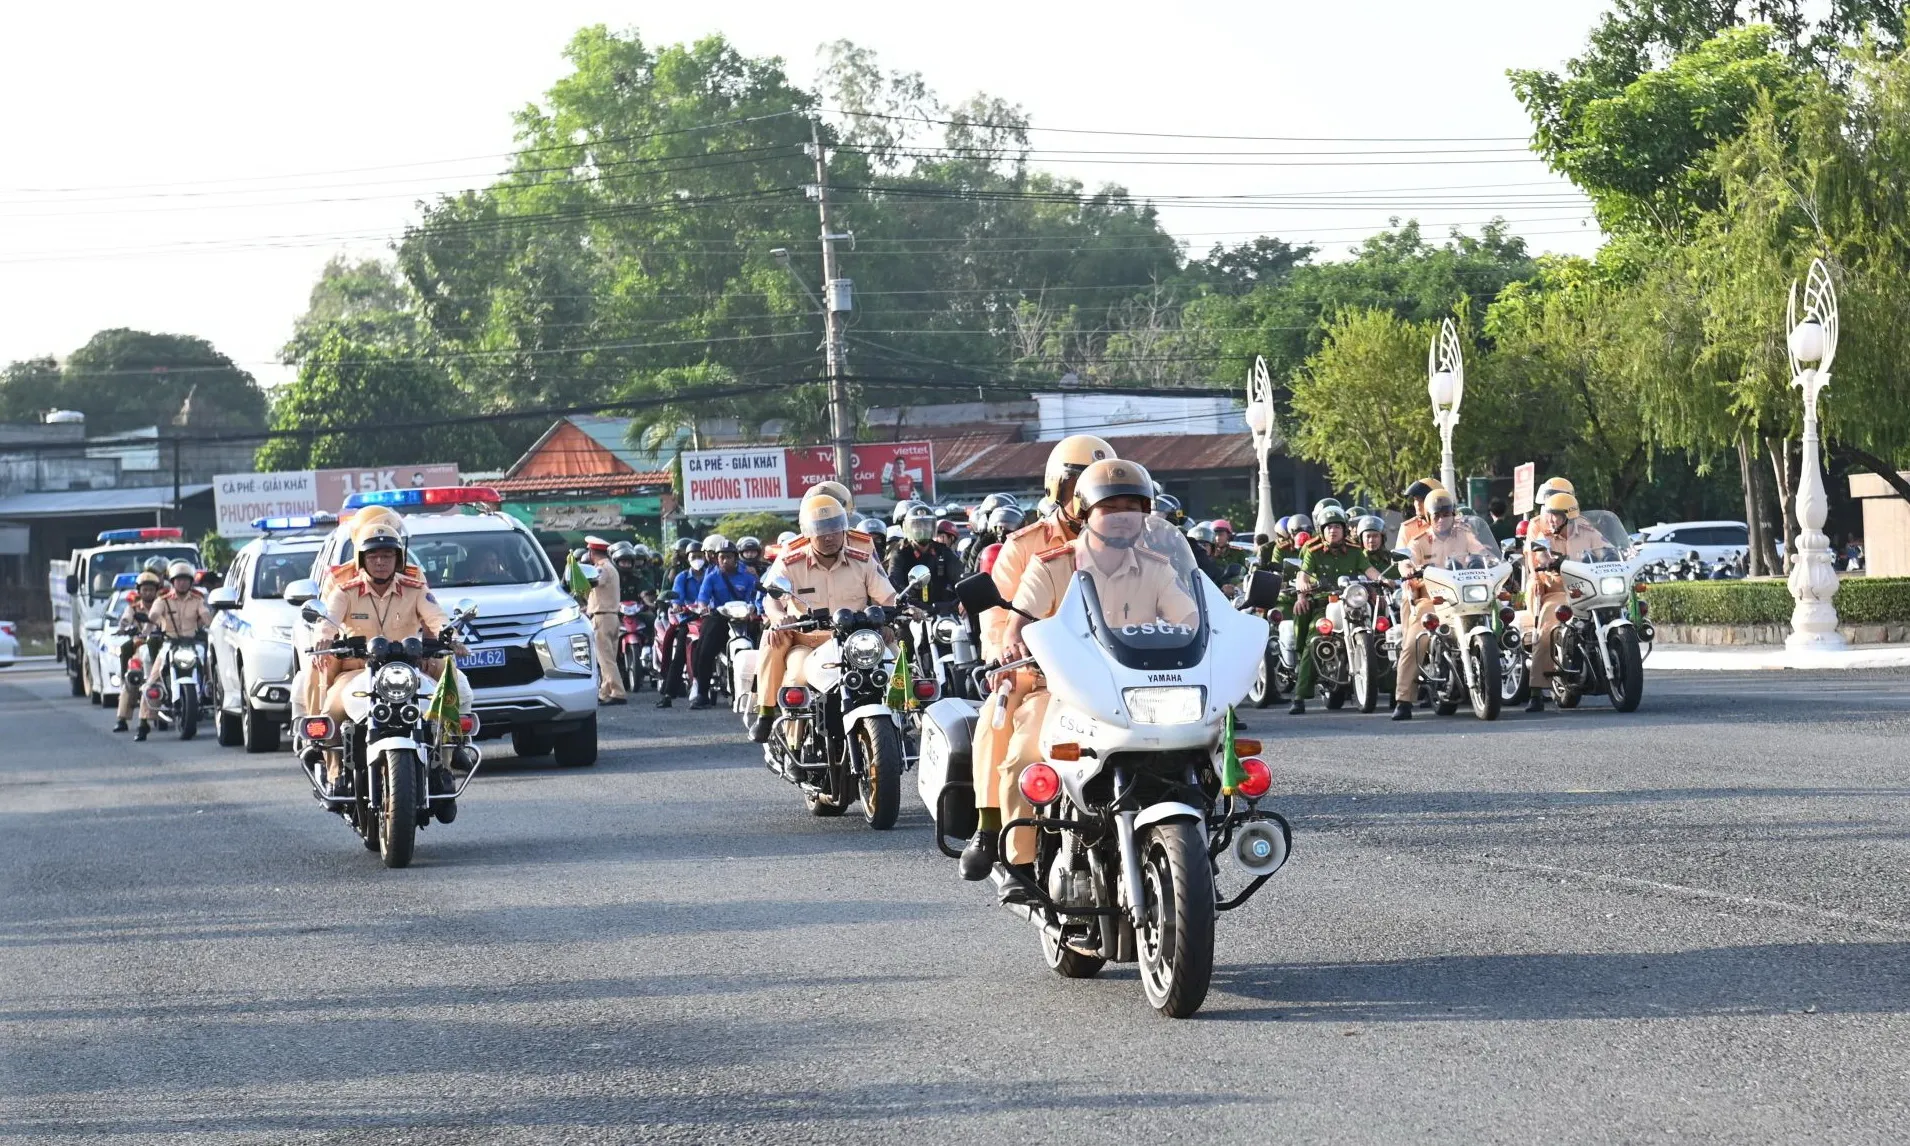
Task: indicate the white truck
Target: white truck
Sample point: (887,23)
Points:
(82,585)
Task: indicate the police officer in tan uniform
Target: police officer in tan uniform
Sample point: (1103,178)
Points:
(1419,522)
(379,598)
(1135,586)
(1443,541)
(1565,537)
(603,605)
(180,614)
(136,625)
(995,722)
(353,521)
(829,572)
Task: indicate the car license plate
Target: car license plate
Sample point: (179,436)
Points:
(482,659)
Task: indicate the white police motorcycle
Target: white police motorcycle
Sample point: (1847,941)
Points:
(1132,819)
(1599,637)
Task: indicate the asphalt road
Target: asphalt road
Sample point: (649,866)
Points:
(1689,923)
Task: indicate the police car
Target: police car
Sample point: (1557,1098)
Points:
(99,647)
(532,664)
(249,685)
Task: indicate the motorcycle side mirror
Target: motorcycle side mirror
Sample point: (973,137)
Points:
(918,575)
(591,573)
(1293,561)
(1263,589)
(301,591)
(222,599)
(779,587)
(96,624)
(312,614)
(1544,543)
(1403,554)
(978,593)
(467,607)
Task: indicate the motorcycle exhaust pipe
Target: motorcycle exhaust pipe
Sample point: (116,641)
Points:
(1262,846)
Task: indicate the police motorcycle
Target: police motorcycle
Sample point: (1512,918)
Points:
(837,736)
(1133,824)
(1599,646)
(1468,628)
(390,737)
(1350,647)
(175,684)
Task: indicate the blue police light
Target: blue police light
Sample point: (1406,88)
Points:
(150,533)
(126,581)
(427,497)
(288,524)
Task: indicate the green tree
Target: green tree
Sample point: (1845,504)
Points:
(128,379)
(764,527)
(28,389)
(1359,404)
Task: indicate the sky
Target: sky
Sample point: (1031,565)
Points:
(189,168)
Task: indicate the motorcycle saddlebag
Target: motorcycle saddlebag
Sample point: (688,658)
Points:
(945,772)
(743,678)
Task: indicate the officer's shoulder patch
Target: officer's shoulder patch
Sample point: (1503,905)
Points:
(1065,549)
(855,554)
(408,581)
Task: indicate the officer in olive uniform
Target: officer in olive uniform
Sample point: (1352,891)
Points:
(1326,561)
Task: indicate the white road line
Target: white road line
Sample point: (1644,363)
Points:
(1682,891)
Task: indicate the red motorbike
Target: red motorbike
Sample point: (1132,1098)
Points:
(636,645)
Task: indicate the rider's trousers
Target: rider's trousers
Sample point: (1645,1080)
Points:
(783,657)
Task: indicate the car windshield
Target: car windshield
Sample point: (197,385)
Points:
(1144,597)
(103,568)
(275,570)
(452,560)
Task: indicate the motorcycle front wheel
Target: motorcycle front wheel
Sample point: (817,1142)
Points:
(1627,686)
(1364,663)
(1176,938)
(398,815)
(188,710)
(1486,693)
(881,746)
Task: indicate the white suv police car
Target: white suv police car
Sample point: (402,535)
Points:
(532,664)
(250,680)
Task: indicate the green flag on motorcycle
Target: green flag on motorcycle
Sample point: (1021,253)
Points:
(1231,774)
(443,708)
(574,579)
(899,684)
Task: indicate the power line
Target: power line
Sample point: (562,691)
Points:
(1175,134)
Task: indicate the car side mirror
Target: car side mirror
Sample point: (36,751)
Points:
(1263,589)
(977,593)
(72,583)
(301,591)
(779,587)
(96,624)
(222,599)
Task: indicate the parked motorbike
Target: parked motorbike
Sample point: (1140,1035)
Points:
(836,736)
(1464,636)
(1131,817)
(636,652)
(389,740)
(1597,643)
(176,688)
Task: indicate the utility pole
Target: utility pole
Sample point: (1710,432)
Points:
(836,303)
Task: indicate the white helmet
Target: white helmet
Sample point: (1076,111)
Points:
(179,569)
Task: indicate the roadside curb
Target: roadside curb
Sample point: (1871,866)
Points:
(1769,658)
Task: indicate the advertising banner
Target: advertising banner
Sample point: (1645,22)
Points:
(240,499)
(739,479)
(884,471)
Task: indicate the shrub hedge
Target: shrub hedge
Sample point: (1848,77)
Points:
(1860,601)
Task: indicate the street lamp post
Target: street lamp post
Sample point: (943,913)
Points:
(1813,344)
(1260,422)
(1446,386)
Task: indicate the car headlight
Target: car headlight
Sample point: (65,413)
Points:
(1611,586)
(185,657)
(1475,594)
(395,683)
(564,616)
(1165,705)
(864,649)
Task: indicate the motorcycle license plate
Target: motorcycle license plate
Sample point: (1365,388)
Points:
(482,659)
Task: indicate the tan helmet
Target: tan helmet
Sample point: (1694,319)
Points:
(148,577)
(1110,477)
(1553,485)
(822,513)
(373,535)
(1564,503)
(1440,501)
(1070,456)
(382,513)
(179,569)
(835,489)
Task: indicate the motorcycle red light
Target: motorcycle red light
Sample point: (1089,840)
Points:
(795,696)
(925,690)
(1506,615)
(1384,624)
(1257,780)
(1040,784)
(316,727)
(467,723)
(152,693)
(1325,627)
(1431,622)
(1563,612)
(1275,616)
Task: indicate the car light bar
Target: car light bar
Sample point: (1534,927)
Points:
(297,521)
(150,533)
(126,581)
(427,497)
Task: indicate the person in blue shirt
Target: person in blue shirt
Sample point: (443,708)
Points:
(728,581)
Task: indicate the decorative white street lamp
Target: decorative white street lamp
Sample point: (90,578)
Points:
(1813,344)
(1260,422)
(1446,386)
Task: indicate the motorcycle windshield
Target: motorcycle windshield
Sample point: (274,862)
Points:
(1142,595)
(1485,551)
(1612,529)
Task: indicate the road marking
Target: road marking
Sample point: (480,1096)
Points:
(1820,913)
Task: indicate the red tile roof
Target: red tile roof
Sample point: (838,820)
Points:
(586,484)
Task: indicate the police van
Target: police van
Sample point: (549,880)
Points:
(532,661)
(249,683)
(82,587)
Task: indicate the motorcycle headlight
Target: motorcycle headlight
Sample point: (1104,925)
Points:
(564,616)
(1354,597)
(1613,586)
(1475,594)
(185,657)
(864,649)
(395,683)
(1165,705)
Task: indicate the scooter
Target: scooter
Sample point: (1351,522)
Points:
(636,653)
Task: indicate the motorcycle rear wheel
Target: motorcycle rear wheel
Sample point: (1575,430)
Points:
(881,745)
(398,815)
(1176,941)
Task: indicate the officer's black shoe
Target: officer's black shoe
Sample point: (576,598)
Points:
(1012,889)
(664,701)
(978,858)
(759,731)
(332,785)
(144,728)
(119,726)
(1402,711)
(1537,703)
(1298,709)
(440,783)
(612,701)
(700,703)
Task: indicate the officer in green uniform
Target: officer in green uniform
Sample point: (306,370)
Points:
(1327,560)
